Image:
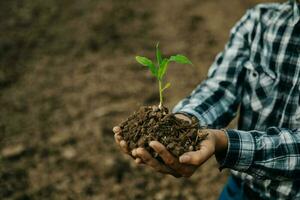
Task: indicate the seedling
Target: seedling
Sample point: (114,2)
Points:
(149,123)
(160,68)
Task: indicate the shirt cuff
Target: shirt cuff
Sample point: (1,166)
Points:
(240,151)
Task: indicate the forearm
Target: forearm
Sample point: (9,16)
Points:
(215,101)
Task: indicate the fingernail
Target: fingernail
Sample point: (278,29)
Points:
(139,151)
(138,161)
(116,129)
(151,144)
(123,143)
(133,152)
(184,159)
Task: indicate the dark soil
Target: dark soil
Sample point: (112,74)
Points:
(150,123)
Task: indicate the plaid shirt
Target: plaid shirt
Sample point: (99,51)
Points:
(258,72)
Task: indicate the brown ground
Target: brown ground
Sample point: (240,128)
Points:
(68,75)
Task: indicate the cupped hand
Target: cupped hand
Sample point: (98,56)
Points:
(216,143)
(171,164)
(186,165)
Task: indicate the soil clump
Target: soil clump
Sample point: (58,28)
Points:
(151,123)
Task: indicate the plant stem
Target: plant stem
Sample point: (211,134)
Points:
(160,94)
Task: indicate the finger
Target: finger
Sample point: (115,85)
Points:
(117,130)
(138,161)
(149,160)
(133,153)
(202,133)
(167,157)
(171,161)
(118,138)
(124,146)
(198,157)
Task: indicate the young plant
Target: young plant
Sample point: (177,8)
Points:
(159,68)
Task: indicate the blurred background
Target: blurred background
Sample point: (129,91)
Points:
(68,75)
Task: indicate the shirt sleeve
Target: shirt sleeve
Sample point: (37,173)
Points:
(215,101)
(273,154)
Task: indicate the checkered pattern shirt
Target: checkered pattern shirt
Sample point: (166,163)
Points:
(258,72)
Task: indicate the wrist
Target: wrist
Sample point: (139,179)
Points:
(221,141)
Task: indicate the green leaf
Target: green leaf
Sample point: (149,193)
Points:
(147,63)
(180,59)
(158,55)
(163,68)
(166,86)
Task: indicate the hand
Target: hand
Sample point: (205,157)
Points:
(171,165)
(215,143)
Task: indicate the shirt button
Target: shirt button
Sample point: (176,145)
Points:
(254,74)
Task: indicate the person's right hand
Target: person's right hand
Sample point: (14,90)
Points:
(215,143)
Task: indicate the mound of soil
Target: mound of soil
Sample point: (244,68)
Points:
(151,123)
